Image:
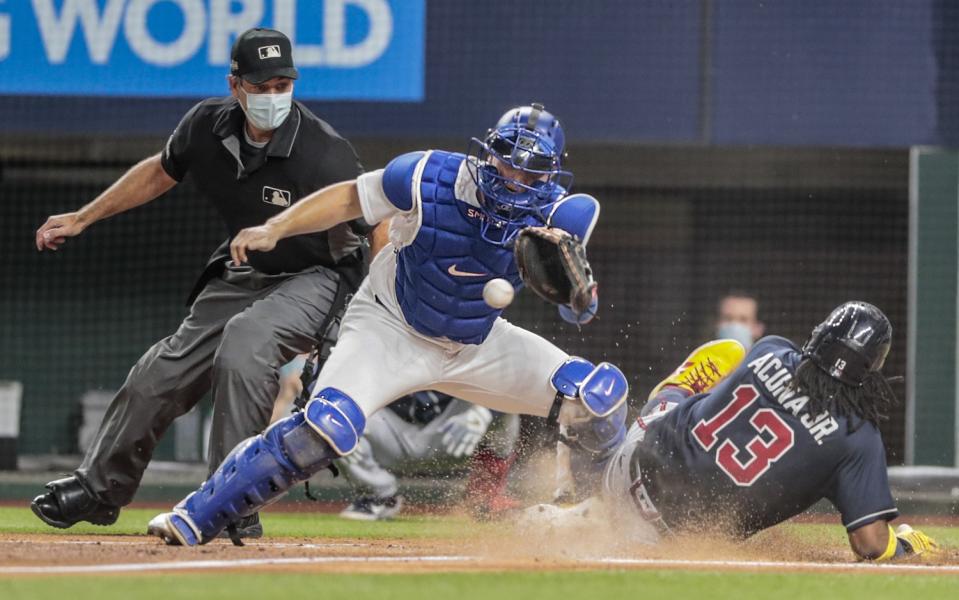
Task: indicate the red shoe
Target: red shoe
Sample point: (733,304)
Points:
(485,494)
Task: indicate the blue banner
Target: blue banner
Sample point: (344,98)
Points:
(344,49)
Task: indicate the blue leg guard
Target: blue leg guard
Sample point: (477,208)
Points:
(599,436)
(601,392)
(258,471)
(337,419)
(595,426)
(567,377)
(593,442)
(602,389)
(261,469)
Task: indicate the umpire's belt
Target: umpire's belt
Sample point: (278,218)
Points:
(249,278)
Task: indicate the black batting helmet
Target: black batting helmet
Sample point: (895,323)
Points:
(851,342)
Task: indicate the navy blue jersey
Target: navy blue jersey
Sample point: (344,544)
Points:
(749,454)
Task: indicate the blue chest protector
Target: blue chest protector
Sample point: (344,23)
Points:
(440,276)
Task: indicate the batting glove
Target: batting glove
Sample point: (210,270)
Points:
(462,432)
(916,542)
(905,540)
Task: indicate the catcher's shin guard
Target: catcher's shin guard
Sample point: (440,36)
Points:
(601,389)
(261,469)
(591,413)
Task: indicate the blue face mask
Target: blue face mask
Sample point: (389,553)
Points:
(736,331)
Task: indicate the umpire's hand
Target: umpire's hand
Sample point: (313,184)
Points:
(262,238)
(57,229)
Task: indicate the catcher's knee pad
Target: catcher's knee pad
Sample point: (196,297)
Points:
(337,418)
(601,391)
(567,377)
(256,473)
(602,388)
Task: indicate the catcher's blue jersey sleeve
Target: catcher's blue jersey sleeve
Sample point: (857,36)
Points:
(576,214)
(862,488)
(398,180)
(385,192)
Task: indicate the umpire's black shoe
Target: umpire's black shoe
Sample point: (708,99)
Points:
(247,528)
(68,502)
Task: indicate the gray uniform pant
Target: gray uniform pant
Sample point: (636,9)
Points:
(242,327)
(391,444)
(623,490)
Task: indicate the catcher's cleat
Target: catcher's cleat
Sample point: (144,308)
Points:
(173,529)
(705,367)
(68,502)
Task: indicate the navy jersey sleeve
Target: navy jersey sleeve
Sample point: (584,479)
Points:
(861,492)
(175,158)
(398,180)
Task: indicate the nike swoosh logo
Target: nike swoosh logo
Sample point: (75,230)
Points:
(609,390)
(454,271)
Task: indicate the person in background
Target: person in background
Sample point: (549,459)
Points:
(431,432)
(737,318)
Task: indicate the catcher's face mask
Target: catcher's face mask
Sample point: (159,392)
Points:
(518,170)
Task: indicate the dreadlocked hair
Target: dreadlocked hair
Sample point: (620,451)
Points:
(869,402)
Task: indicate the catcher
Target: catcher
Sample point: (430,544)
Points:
(734,443)
(419,321)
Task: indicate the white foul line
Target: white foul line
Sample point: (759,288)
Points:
(151,542)
(782,565)
(598,562)
(224,564)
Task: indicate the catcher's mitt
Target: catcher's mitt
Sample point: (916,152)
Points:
(553,264)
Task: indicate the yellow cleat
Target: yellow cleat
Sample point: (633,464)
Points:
(705,367)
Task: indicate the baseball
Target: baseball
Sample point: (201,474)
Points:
(498,293)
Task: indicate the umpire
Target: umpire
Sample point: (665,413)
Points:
(251,154)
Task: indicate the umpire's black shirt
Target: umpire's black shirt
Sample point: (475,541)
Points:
(304,155)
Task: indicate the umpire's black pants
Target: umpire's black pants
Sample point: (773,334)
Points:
(242,327)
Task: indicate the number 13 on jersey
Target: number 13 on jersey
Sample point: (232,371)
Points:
(761,453)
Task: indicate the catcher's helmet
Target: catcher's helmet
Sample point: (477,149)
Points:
(528,139)
(851,342)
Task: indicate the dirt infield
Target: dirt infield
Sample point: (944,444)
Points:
(25,555)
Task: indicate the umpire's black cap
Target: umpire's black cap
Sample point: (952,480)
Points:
(262,54)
